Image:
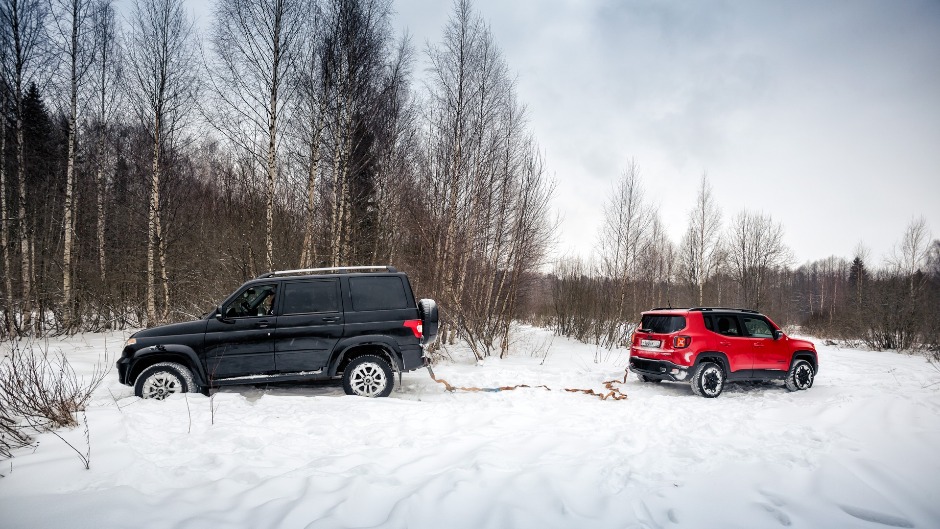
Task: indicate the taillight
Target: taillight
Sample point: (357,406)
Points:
(416,327)
(681,342)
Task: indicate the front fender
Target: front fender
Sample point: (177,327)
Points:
(167,353)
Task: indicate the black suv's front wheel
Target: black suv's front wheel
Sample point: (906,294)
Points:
(708,380)
(161,380)
(368,376)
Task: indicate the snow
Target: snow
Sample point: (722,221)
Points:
(859,449)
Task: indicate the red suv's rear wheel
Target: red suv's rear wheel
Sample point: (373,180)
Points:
(708,380)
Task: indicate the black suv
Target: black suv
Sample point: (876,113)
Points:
(361,323)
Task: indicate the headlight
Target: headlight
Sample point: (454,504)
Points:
(130,341)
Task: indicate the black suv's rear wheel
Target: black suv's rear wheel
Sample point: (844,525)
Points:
(708,380)
(800,376)
(368,376)
(159,381)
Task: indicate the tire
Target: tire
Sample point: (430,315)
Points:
(161,380)
(644,378)
(708,380)
(368,376)
(801,376)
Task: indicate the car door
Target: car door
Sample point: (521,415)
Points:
(241,343)
(309,324)
(732,342)
(767,352)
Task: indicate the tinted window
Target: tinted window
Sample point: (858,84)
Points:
(758,327)
(311,296)
(377,293)
(727,325)
(662,324)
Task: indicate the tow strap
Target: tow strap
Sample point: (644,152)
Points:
(612,393)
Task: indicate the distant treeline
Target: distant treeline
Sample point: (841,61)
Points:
(744,263)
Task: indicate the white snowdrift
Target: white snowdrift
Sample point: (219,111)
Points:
(859,449)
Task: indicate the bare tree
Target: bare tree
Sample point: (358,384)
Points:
(624,240)
(74,39)
(26,62)
(910,256)
(700,249)
(105,80)
(162,60)
(755,248)
(257,46)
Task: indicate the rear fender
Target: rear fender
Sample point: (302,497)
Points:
(353,345)
(714,356)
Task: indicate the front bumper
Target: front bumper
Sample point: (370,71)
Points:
(122,366)
(659,369)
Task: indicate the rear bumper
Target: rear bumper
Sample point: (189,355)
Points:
(659,369)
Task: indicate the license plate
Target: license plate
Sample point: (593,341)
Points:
(651,343)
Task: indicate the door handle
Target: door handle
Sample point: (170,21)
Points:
(758,344)
(724,343)
(263,324)
(330,319)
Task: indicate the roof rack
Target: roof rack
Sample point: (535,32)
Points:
(336,269)
(671,308)
(709,309)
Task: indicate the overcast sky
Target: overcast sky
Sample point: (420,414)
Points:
(826,115)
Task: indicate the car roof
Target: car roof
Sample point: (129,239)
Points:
(684,310)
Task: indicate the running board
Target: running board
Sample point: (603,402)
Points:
(269,379)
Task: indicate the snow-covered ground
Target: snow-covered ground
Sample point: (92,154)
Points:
(859,449)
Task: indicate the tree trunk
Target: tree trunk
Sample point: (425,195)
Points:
(68,213)
(4,223)
(153,221)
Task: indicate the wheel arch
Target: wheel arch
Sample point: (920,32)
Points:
(352,350)
(712,356)
(180,354)
(809,356)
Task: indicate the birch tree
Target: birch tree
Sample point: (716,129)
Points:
(105,79)
(701,250)
(74,40)
(755,248)
(162,63)
(26,63)
(257,45)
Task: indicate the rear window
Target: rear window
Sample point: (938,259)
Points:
(378,293)
(661,324)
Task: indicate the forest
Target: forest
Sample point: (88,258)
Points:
(147,169)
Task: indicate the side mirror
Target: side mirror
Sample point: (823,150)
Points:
(220,316)
(778,334)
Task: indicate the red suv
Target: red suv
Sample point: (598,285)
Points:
(709,346)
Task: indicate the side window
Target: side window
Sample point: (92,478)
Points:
(758,327)
(377,293)
(709,323)
(727,325)
(311,296)
(257,300)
